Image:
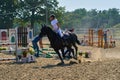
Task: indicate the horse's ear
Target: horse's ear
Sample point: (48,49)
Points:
(44,25)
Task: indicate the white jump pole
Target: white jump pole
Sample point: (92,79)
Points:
(16,41)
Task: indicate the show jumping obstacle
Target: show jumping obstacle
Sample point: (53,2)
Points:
(20,36)
(16,38)
(96,38)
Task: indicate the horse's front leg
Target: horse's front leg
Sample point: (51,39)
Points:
(72,51)
(62,62)
(63,53)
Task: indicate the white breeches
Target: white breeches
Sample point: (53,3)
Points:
(59,31)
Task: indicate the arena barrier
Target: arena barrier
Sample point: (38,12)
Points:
(97,38)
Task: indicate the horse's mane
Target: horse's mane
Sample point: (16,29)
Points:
(53,32)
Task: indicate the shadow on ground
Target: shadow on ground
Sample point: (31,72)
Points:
(52,66)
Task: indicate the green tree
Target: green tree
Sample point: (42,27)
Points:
(7,13)
(81,18)
(73,19)
(35,10)
(114,16)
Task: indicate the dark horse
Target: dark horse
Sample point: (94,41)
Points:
(58,44)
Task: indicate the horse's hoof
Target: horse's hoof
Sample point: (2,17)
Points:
(59,64)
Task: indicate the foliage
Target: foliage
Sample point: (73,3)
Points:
(81,18)
(35,10)
(31,51)
(22,12)
(28,12)
(7,9)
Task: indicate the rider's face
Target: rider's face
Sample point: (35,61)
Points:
(51,18)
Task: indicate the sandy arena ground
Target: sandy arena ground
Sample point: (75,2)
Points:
(105,66)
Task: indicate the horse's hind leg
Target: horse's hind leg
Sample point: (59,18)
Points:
(71,51)
(63,53)
(76,49)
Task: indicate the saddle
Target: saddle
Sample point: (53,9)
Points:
(66,34)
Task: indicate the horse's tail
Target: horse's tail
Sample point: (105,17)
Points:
(78,42)
(75,38)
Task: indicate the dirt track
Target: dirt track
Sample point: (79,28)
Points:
(106,66)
